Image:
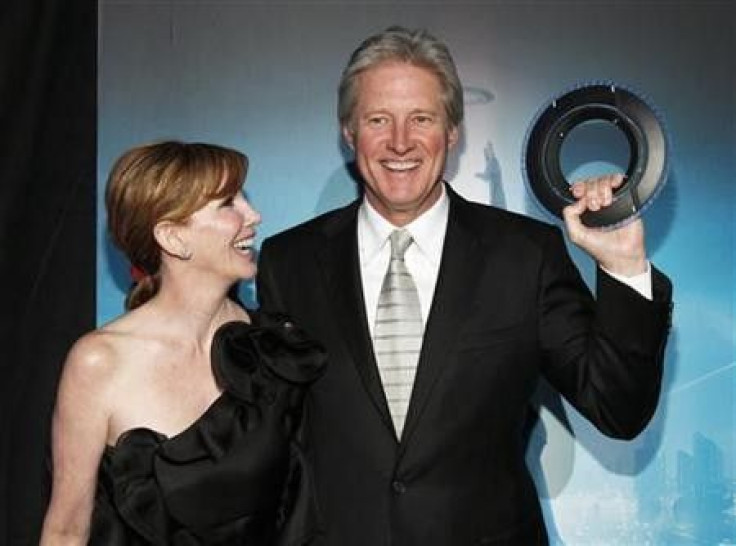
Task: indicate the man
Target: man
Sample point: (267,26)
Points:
(416,435)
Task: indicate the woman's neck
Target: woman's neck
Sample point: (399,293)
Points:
(195,312)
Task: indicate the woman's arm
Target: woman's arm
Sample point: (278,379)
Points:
(79,434)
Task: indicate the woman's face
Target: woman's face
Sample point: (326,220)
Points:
(222,235)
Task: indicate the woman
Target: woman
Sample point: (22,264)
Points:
(177,422)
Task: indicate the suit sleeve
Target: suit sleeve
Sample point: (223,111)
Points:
(605,356)
(269,297)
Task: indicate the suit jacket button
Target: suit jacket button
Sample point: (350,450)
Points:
(398,487)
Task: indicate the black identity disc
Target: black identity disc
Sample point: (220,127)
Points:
(646,173)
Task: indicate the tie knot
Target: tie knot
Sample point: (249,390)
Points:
(400,241)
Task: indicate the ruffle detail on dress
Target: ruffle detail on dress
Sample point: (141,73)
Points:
(135,492)
(244,356)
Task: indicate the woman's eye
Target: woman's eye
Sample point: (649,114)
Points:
(228,202)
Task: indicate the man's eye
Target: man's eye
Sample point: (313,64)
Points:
(378,121)
(423,120)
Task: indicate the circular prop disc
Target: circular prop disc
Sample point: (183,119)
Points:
(647,167)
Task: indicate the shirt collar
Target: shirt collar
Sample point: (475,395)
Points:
(424,229)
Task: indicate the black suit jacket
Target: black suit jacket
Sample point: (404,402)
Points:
(509,306)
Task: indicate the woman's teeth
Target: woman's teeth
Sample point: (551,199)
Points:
(243,245)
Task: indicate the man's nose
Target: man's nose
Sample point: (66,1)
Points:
(400,138)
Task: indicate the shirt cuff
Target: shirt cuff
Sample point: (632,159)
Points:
(642,282)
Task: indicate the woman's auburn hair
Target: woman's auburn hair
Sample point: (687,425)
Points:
(164,182)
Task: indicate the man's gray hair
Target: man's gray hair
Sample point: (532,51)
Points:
(416,47)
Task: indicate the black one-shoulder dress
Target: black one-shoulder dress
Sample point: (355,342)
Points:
(236,476)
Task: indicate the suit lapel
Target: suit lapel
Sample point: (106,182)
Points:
(462,264)
(341,267)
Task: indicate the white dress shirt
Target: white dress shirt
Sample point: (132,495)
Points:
(423,257)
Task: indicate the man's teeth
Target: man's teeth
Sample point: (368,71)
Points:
(401,165)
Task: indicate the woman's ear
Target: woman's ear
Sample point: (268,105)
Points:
(170,237)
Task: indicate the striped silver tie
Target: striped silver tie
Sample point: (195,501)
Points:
(397,336)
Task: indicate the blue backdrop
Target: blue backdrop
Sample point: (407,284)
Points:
(262,78)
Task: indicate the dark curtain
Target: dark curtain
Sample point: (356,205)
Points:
(47,233)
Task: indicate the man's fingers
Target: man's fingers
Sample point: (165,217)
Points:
(578,189)
(597,192)
(571,214)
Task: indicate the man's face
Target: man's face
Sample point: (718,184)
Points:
(400,135)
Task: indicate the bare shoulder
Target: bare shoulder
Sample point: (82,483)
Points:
(98,355)
(90,367)
(94,352)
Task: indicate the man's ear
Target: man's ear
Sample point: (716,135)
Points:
(349,135)
(452,137)
(170,237)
